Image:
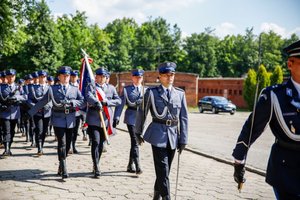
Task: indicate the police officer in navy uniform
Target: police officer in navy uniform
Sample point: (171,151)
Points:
(11,95)
(278,106)
(95,129)
(2,81)
(42,117)
(26,106)
(65,99)
(74,82)
(169,127)
(132,97)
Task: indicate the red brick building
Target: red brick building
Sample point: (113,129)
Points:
(195,87)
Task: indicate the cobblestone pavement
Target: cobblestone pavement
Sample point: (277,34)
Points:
(27,176)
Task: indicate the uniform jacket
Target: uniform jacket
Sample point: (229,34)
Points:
(278,106)
(78,112)
(55,93)
(112,99)
(132,98)
(36,93)
(12,111)
(157,102)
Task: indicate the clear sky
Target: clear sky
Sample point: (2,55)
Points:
(193,16)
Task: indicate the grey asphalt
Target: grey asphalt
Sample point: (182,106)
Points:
(27,176)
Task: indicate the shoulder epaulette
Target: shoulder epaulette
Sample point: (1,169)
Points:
(177,88)
(276,87)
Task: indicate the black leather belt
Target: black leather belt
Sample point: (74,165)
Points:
(66,111)
(131,108)
(167,122)
(287,145)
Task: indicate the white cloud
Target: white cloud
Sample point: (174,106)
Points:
(224,29)
(105,11)
(266,27)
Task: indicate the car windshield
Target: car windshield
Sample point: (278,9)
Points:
(220,100)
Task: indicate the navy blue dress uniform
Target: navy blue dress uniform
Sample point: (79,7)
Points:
(65,99)
(278,106)
(168,129)
(2,77)
(28,123)
(78,117)
(42,117)
(95,129)
(132,97)
(11,95)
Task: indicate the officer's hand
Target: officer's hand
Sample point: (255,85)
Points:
(139,138)
(115,123)
(66,102)
(3,107)
(12,100)
(139,102)
(181,147)
(239,171)
(104,103)
(98,106)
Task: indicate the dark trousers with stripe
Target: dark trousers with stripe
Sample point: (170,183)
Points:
(8,129)
(163,158)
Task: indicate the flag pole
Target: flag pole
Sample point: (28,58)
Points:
(93,83)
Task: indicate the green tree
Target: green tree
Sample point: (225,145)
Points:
(263,78)
(76,35)
(157,42)
(201,54)
(277,76)
(249,88)
(122,35)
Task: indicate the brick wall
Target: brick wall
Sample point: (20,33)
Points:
(186,81)
(195,88)
(231,88)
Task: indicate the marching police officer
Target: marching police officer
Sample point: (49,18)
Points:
(278,106)
(95,129)
(169,127)
(42,117)
(11,95)
(2,81)
(132,96)
(65,99)
(74,82)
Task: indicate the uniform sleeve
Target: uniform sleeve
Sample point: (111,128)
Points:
(142,113)
(115,100)
(89,96)
(119,108)
(39,105)
(183,117)
(262,116)
(79,101)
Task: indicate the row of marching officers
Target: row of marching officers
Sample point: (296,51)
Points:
(59,103)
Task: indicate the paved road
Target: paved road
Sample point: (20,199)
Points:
(26,176)
(217,134)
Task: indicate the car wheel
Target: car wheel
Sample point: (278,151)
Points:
(200,109)
(214,110)
(232,112)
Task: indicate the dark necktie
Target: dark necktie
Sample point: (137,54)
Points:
(168,94)
(64,89)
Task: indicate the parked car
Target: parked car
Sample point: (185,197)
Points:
(216,104)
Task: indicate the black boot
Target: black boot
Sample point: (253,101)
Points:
(64,173)
(7,151)
(138,169)
(130,166)
(74,148)
(96,170)
(40,149)
(166,197)
(156,195)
